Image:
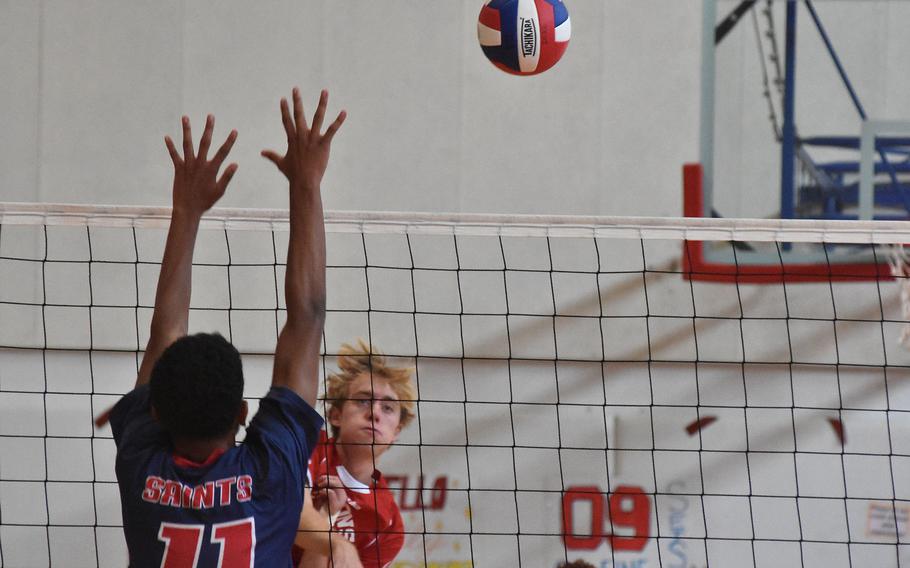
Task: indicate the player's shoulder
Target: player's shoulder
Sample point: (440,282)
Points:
(321,458)
(283,417)
(385,495)
(284,397)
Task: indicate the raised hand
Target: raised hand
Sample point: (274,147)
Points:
(307,155)
(197,186)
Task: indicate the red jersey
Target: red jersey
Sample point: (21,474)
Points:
(370,518)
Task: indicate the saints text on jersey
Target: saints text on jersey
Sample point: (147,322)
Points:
(172,493)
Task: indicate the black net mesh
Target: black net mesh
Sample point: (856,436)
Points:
(579,398)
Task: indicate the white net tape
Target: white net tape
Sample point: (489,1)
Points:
(703,229)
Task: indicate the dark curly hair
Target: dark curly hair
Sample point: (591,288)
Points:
(197,387)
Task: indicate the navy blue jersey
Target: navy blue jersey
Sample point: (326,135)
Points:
(240,508)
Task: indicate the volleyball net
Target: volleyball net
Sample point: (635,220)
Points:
(584,391)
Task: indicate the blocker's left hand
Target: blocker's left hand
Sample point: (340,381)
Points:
(307,156)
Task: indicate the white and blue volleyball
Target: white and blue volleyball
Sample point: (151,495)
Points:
(524,37)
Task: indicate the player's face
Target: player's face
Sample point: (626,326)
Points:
(371,414)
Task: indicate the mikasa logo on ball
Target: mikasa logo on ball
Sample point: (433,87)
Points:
(528,37)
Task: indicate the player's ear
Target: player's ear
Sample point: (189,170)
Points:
(334,416)
(243,414)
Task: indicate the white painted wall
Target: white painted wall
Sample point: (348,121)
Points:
(90,89)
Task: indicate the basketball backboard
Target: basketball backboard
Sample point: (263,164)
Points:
(805,114)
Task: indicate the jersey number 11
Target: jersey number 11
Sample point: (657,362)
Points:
(183,543)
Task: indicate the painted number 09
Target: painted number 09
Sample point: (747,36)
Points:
(183,543)
(629,507)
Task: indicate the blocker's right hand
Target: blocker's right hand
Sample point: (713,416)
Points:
(307,155)
(197,186)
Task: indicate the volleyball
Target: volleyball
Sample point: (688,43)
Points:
(524,37)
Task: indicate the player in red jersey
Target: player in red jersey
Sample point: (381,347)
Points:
(191,497)
(370,402)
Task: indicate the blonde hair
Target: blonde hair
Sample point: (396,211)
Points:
(354,361)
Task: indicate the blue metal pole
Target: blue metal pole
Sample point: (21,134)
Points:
(895,183)
(836,60)
(788,133)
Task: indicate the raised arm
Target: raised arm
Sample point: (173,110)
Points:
(297,352)
(196,189)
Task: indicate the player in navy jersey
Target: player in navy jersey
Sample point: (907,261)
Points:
(190,496)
